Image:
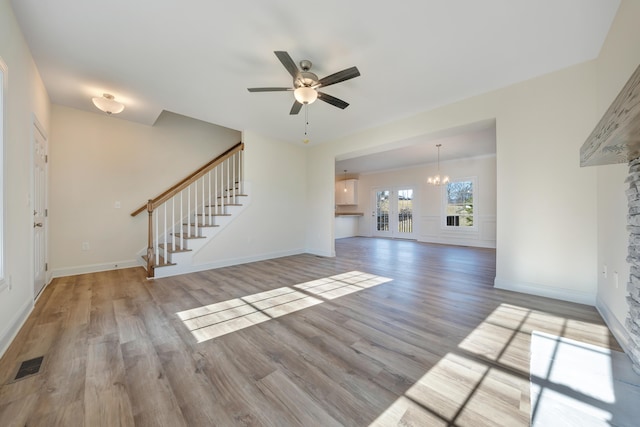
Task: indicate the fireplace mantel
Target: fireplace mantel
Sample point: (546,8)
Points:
(616,137)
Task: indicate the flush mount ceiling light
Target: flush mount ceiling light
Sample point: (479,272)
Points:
(438,180)
(107,104)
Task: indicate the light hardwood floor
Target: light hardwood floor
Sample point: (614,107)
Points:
(389,332)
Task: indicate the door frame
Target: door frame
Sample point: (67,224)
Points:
(38,128)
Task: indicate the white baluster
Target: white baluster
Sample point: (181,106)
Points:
(166,249)
(181,219)
(173,222)
(210,217)
(204,218)
(215,189)
(155,241)
(195,208)
(222,196)
(189,211)
(234,178)
(241,167)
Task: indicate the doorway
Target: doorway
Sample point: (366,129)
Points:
(393,212)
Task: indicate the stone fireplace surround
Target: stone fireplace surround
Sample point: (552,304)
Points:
(616,139)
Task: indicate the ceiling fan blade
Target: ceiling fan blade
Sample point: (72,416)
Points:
(288,63)
(333,100)
(338,77)
(295,108)
(268,89)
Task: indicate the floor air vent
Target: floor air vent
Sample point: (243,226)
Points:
(29,367)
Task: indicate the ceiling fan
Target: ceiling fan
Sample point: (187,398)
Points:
(306,84)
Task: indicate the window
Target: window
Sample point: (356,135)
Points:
(3,91)
(459,207)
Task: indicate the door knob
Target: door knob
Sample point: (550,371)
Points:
(37,224)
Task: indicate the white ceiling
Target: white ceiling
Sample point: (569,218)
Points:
(197,58)
(474,140)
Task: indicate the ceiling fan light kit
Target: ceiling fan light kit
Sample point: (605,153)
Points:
(306,84)
(305,95)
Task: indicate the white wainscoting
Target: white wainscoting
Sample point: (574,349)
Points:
(431,231)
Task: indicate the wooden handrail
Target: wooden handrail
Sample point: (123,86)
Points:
(175,189)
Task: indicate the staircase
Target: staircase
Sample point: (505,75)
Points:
(187,216)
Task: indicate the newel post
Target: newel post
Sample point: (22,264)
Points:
(151,257)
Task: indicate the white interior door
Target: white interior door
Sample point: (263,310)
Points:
(39,210)
(393,212)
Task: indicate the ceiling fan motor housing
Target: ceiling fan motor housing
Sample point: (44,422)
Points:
(306,78)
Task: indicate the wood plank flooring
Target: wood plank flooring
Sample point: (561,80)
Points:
(418,336)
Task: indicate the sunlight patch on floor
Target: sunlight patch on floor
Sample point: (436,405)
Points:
(584,384)
(214,320)
(342,284)
(457,391)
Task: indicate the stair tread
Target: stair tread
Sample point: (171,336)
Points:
(176,250)
(202,225)
(226,204)
(215,214)
(189,237)
(161,263)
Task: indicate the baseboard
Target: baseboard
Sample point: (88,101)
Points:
(320,252)
(617,329)
(94,268)
(547,291)
(9,333)
(177,269)
(475,243)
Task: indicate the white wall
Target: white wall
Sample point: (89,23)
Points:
(273,224)
(546,204)
(26,98)
(618,59)
(96,160)
(428,200)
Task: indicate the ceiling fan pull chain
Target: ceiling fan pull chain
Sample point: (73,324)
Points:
(306,118)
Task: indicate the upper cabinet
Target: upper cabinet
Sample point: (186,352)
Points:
(347,192)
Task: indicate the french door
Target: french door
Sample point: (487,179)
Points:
(393,212)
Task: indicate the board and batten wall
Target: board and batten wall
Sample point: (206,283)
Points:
(26,101)
(98,160)
(618,59)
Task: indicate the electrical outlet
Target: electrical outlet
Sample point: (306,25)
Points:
(117,204)
(85,246)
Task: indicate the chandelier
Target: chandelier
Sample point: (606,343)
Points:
(438,179)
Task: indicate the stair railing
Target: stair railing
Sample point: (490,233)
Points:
(197,199)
